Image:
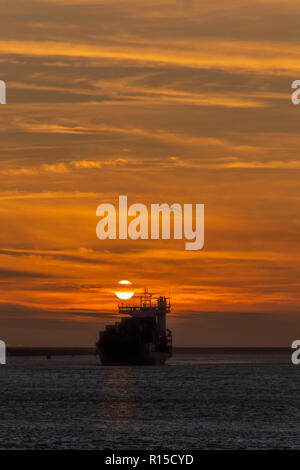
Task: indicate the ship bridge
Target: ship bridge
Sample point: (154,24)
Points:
(146,308)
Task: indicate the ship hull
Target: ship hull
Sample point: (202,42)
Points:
(134,357)
(153,359)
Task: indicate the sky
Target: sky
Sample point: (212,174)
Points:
(163,101)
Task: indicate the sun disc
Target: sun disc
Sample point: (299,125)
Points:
(124,290)
(124,295)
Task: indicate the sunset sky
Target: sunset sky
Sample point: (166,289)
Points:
(163,101)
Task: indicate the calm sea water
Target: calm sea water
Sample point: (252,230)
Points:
(193,402)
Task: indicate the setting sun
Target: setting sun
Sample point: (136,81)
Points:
(124,291)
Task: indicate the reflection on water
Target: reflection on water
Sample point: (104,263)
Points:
(118,401)
(74,403)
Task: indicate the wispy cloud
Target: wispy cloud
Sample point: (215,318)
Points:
(164,101)
(262,57)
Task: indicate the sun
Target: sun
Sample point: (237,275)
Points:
(124,291)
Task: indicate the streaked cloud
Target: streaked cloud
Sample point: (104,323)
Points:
(165,101)
(262,57)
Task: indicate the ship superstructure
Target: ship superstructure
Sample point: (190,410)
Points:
(141,337)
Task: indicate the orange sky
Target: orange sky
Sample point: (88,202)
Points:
(162,101)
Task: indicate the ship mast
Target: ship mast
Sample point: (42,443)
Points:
(145,299)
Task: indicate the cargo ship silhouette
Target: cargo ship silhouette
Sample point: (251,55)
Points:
(140,338)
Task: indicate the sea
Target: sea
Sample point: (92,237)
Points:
(207,400)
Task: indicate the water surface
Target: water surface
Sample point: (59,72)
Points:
(193,402)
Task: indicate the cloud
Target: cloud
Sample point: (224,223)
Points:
(55,168)
(46,195)
(262,57)
(16,274)
(164,104)
(271,165)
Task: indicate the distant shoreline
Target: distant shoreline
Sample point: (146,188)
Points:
(73,351)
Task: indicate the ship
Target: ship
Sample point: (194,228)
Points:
(141,337)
